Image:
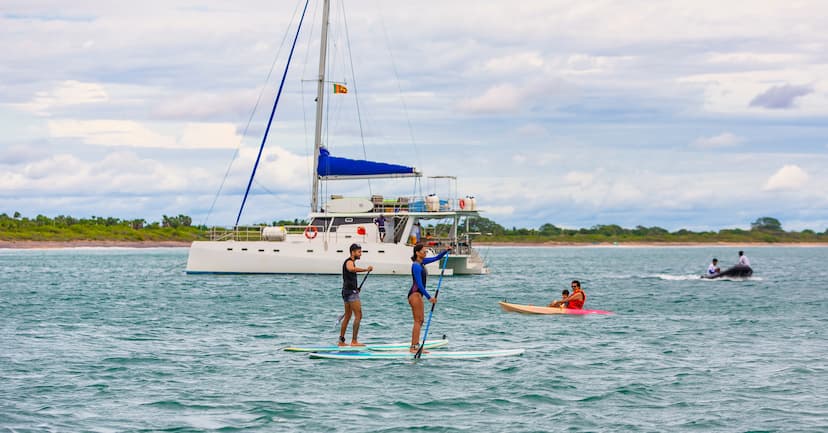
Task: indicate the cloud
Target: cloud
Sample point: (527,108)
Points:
(789,177)
(725,139)
(125,172)
(67,93)
(780,97)
(501,98)
(201,106)
(134,134)
(533,130)
(518,63)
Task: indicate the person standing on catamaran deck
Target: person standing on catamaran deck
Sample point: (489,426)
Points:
(350,294)
(577,299)
(419,275)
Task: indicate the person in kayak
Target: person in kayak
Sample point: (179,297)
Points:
(560,302)
(577,298)
(713,269)
(419,275)
(350,295)
(743,260)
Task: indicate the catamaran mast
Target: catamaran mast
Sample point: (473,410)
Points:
(320,94)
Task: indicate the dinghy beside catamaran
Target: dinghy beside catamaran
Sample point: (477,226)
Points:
(336,222)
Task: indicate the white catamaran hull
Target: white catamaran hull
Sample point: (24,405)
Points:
(311,257)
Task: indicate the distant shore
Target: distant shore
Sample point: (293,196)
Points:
(91,244)
(5,244)
(553,244)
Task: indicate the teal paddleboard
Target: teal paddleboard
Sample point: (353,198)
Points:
(431,344)
(407,355)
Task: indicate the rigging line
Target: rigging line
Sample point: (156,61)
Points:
(272,113)
(308,145)
(399,86)
(356,95)
(252,113)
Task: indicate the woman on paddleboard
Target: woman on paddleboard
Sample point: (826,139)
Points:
(419,274)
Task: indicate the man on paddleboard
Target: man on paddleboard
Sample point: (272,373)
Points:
(350,294)
(577,299)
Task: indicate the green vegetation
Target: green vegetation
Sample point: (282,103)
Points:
(764,229)
(180,228)
(66,228)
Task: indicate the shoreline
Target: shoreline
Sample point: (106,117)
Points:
(552,244)
(50,245)
(25,244)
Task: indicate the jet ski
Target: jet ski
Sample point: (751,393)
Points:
(735,271)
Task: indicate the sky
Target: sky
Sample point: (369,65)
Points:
(680,114)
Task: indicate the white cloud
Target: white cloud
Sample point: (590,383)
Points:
(725,139)
(755,58)
(518,63)
(579,178)
(501,98)
(134,134)
(67,93)
(789,177)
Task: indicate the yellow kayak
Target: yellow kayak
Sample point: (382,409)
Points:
(532,309)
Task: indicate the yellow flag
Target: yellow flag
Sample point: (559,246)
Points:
(339,88)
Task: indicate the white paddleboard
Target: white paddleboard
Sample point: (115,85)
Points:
(410,356)
(431,344)
(349,205)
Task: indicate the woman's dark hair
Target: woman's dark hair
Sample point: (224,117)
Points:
(417,249)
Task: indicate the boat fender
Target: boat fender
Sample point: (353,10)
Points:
(361,231)
(311,232)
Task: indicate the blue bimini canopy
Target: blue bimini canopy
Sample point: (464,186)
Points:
(331,167)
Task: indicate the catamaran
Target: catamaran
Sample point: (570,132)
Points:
(385,227)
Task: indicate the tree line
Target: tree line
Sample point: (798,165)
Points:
(180,228)
(763,229)
(66,228)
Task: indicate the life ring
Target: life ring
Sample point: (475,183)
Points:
(311,232)
(462,203)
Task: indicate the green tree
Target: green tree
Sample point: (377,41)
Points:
(549,230)
(767,224)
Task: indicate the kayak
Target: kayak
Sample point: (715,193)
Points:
(532,309)
(431,344)
(735,271)
(407,355)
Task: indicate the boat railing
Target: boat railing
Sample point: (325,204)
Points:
(254,233)
(422,204)
(459,246)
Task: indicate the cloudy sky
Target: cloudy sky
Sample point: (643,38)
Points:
(682,114)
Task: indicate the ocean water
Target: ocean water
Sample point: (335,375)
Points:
(122,340)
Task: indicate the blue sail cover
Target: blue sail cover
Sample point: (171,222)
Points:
(335,167)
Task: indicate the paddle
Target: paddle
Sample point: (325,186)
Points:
(440,281)
(359,289)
